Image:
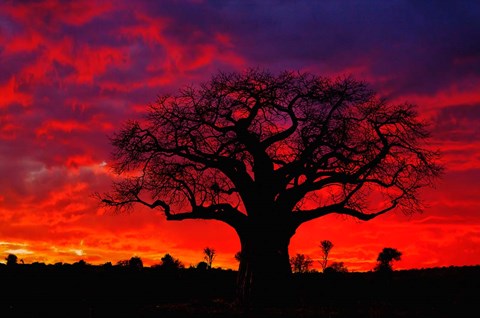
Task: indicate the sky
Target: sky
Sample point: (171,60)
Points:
(71,72)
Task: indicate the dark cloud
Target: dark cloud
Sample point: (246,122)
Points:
(418,47)
(459,123)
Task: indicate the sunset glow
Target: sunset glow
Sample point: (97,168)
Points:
(73,72)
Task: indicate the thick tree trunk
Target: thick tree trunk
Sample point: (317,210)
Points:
(264,276)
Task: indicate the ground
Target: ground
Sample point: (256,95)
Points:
(95,291)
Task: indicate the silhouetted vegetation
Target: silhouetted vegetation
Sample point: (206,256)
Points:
(326,247)
(301,263)
(336,267)
(11,260)
(82,290)
(169,263)
(209,256)
(257,150)
(202,265)
(386,258)
(135,263)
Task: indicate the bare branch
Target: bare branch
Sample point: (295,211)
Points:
(271,145)
(302,216)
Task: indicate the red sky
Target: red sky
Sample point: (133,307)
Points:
(72,72)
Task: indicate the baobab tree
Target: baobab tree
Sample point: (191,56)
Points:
(266,153)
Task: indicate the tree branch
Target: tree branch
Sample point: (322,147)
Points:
(287,132)
(222,212)
(302,216)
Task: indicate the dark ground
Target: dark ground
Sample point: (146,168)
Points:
(38,290)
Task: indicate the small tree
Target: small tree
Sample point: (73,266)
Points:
(170,263)
(123,263)
(336,267)
(385,259)
(135,262)
(202,266)
(12,260)
(326,246)
(209,256)
(301,263)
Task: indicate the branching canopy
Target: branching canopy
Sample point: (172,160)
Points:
(255,146)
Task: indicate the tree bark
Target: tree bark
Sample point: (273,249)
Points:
(264,275)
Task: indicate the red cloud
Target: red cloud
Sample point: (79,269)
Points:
(180,55)
(93,61)
(11,93)
(85,61)
(149,29)
(27,42)
(51,126)
(452,96)
(52,13)
(8,127)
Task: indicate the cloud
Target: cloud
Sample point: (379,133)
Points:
(458,123)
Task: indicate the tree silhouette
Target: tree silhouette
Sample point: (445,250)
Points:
(336,267)
(123,263)
(209,256)
(170,263)
(81,264)
(12,260)
(301,263)
(202,266)
(385,259)
(326,246)
(265,153)
(135,263)
(107,265)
